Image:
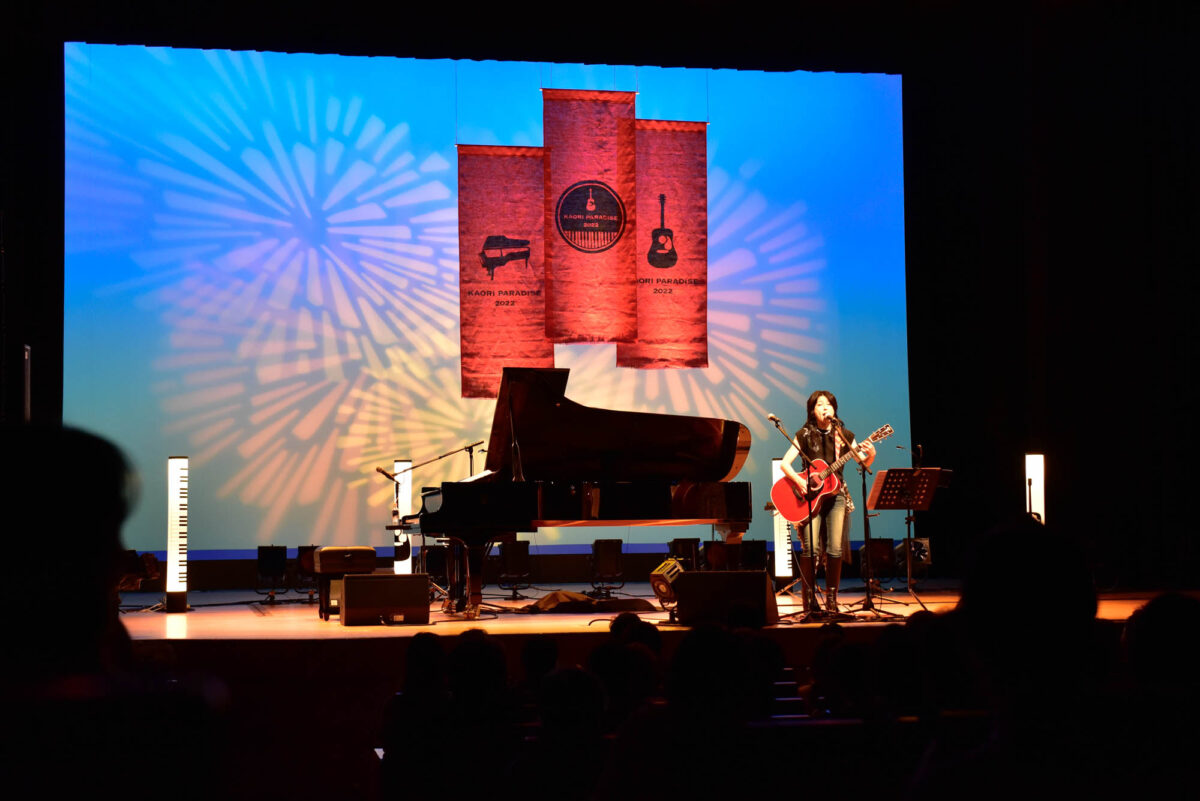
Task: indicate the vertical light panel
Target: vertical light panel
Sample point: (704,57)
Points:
(401,468)
(1035,485)
(783,538)
(177,533)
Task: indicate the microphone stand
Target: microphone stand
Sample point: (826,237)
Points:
(405,523)
(809,595)
(470,449)
(867,603)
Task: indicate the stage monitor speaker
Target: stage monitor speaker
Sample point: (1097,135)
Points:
(384,598)
(514,560)
(687,551)
(272,561)
(882,559)
(754,555)
(716,555)
(728,597)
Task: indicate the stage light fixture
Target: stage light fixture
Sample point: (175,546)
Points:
(607,574)
(920,552)
(272,566)
(306,577)
(662,580)
(514,568)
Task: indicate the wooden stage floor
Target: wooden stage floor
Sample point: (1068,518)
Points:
(244,615)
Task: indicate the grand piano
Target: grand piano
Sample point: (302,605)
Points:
(554,462)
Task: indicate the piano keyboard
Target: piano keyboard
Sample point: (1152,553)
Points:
(177,524)
(592,241)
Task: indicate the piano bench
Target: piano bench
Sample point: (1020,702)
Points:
(332,563)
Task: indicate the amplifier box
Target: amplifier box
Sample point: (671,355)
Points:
(384,598)
(731,597)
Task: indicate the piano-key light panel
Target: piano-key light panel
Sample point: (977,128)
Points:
(402,470)
(783,536)
(177,533)
(1035,485)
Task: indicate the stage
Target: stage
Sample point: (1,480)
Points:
(245,615)
(300,691)
(301,700)
(223,620)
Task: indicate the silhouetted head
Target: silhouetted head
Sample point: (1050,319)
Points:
(1162,643)
(1026,623)
(66,495)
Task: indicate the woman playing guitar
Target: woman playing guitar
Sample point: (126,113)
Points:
(823,437)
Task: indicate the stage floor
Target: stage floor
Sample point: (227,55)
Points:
(245,615)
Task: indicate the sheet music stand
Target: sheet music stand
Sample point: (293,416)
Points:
(910,489)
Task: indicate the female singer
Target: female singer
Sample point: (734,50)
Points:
(823,437)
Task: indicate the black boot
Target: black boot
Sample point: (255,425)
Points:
(833,577)
(808,596)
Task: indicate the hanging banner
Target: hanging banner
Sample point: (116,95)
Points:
(591,290)
(672,247)
(501,270)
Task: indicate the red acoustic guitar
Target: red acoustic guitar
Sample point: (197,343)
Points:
(792,501)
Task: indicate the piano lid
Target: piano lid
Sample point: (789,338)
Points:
(561,440)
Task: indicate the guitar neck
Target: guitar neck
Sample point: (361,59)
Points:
(881,434)
(833,468)
(662,211)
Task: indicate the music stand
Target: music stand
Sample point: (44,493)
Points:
(911,489)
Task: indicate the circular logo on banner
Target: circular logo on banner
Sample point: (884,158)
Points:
(590,216)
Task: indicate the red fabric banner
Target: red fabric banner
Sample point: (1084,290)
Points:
(501,271)
(591,290)
(672,247)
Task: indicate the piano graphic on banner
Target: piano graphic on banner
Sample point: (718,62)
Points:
(498,251)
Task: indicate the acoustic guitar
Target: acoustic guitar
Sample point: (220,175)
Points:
(793,500)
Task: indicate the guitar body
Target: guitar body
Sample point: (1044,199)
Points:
(792,501)
(662,248)
(662,240)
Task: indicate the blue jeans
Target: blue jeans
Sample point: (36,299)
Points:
(827,530)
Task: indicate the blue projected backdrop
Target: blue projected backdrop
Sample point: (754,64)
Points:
(262,273)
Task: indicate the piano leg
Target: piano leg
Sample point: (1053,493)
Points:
(464,574)
(455,576)
(475,554)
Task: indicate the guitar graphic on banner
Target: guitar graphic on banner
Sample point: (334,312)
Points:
(793,501)
(662,240)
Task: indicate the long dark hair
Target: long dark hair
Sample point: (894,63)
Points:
(812,402)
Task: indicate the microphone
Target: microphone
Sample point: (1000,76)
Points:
(773,418)
(392,476)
